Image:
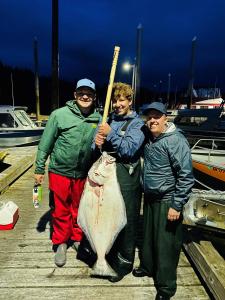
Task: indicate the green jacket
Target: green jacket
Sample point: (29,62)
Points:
(67,139)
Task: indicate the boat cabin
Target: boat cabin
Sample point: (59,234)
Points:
(15,117)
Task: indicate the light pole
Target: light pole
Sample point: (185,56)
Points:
(127,67)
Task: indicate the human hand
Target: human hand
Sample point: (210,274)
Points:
(39,178)
(173,215)
(104,129)
(99,140)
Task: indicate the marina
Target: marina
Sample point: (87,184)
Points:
(27,261)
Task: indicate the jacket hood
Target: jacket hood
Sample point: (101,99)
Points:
(170,130)
(94,116)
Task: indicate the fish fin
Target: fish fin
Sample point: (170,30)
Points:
(102,268)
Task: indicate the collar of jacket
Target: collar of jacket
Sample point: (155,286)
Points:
(116,117)
(94,116)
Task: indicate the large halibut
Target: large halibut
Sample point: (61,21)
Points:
(102,212)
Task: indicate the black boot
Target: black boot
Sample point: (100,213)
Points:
(161,297)
(116,278)
(139,272)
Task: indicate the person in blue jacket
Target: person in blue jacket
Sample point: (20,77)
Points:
(123,137)
(167,183)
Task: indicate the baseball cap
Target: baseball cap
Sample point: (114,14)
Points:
(155,105)
(85,82)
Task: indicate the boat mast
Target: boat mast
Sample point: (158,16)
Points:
(191,75)
(55,56)
(36,79)
(138,67)
(13,99)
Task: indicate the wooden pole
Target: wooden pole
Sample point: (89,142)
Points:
(110,85)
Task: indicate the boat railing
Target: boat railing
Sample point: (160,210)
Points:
(210,146)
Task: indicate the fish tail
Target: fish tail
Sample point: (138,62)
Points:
(102,268)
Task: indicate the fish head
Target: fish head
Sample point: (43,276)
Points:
(102,169)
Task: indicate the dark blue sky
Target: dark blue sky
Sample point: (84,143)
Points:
(89,30)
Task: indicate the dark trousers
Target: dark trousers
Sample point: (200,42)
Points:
(161,248)
(121,256)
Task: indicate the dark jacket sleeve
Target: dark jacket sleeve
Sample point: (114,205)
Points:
(46,143)
(180,157)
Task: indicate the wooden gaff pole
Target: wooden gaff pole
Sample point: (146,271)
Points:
(110,85)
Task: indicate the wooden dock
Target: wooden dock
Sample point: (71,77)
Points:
(27,269)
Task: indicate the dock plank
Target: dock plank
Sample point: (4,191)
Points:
(210,265)
(19,159)
(99,292)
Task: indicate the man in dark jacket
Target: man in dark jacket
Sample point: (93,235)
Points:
(167,181)
(67,139)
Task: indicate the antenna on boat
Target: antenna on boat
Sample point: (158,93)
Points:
(13,99)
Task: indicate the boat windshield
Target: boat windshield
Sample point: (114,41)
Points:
(23,118)
(189,120)
(7,121)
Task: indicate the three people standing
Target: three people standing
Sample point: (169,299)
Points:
(167,179)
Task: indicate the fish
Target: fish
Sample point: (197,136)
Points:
(102,212)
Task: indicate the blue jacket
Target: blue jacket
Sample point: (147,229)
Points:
(167,173)
(126,144)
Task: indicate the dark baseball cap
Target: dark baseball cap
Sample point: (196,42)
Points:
(155,105)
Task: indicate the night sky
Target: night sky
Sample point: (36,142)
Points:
(89,30)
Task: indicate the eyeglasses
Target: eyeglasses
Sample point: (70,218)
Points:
(81,94)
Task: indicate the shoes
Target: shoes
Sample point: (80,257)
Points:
(60,256)
(139,272)
(115,278)
(161,297)
(75,246)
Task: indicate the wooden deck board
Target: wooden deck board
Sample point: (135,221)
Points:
(210,265)
(45,259)
(19,159)
(27,269)
(99,292)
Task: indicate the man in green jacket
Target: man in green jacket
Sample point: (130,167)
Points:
(67,140)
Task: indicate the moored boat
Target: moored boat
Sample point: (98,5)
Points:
(201,123)
(208,156)
(16,127)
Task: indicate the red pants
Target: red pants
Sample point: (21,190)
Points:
(67,193)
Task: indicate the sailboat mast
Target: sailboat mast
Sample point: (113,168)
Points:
(55,56)
(138,66)
(36,79)
(13,99)
(191,78)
